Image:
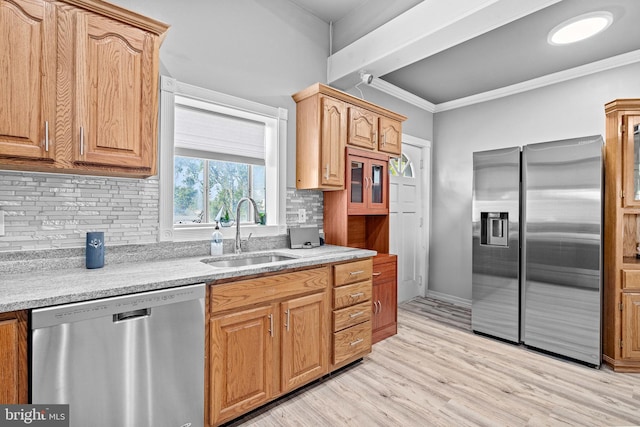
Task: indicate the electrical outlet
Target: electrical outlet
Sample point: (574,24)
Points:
(1,223)
(302,215)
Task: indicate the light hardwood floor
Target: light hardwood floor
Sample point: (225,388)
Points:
(436,372)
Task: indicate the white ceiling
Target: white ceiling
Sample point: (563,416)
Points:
(447,51)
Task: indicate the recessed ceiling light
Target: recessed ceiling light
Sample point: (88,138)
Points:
(580,28)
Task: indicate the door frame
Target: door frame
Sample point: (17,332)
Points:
(425,176)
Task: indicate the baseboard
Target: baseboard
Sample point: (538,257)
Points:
(448,298)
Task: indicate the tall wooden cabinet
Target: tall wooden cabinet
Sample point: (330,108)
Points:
(621,326)
(81,88)
(14,365)
(361,137)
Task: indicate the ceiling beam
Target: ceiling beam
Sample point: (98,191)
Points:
(422,31)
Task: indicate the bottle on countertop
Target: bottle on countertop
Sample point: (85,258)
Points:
(216,241)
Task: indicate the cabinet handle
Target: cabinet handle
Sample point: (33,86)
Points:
(356,342)
(376,273)
(287,322)
(354,315)
(384,139)
(326,173)
(357,295)
(46,135)
(354,273)
(81,141)
(375,307)
(271,325)
(380,305)
(375,137)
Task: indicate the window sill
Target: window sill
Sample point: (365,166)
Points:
(203,232)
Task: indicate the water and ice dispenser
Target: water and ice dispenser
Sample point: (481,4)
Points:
(494,228)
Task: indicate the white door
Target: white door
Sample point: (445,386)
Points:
(409,220)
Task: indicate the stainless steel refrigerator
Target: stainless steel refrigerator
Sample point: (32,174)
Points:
(537,246)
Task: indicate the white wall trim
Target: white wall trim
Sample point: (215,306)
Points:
(449,298)
(550,79)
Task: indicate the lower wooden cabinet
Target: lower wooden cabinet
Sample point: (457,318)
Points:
(351,316)
(268,336)
(242,371)
(304,340)
(385,297)
(631,326)
(14,380)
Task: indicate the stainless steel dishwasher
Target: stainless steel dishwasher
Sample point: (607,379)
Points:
(129,361)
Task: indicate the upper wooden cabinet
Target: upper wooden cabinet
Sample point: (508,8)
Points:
(390,140)
(328,120)
(93,108)
(27,79)
(367,186)
(363,128)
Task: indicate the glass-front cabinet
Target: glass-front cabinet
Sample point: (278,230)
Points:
(631,159)
(367,190)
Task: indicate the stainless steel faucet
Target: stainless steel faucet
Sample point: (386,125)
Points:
(238,248)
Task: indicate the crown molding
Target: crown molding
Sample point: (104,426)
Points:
(537,83)
(548,80)
(402,94)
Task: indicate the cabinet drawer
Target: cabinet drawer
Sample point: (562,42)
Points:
(631,279)
(351,294)
(352,342)
(265,289)
(384,272)
(351,315)
(344,274)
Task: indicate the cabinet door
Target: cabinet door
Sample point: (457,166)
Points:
(631,160)
(378,188)
(242,361)
(27,79)
(304,340)
(385,313)
(13,358)
(390,140)
(115,88)
(363,128)
(333,139)
(631,326)
(357,179)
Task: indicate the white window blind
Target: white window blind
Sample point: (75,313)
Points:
(212,135)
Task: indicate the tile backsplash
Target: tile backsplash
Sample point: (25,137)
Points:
(45,211)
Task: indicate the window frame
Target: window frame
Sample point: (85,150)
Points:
(275,120)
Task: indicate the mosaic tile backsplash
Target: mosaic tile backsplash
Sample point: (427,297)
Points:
(47,211)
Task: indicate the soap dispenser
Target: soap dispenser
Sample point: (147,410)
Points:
(216,241)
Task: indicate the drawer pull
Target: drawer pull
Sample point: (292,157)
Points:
(376,273)
(357,295)
(354,315)
(354,273)
(356,342)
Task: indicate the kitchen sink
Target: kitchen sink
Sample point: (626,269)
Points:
(246,259)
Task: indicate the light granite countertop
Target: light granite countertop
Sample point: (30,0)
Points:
(35,289)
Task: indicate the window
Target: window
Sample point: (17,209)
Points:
(401,166)
(220,149)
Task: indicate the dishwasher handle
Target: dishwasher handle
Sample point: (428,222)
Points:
(130,315)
